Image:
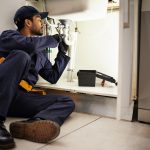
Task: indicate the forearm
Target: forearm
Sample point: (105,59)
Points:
(53,73)
(14,40)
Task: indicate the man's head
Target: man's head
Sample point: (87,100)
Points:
(29,18)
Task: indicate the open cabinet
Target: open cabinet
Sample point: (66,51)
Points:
(97,49)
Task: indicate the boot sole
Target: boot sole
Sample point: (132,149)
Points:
(41,131)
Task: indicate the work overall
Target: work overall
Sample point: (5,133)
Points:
(24,61)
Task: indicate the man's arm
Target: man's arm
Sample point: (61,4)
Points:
(12,39)
(52,73)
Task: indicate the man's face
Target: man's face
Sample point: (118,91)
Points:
(37,26)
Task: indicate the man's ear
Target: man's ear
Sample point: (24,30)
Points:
(28,23)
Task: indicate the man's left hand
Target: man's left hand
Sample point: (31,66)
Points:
(59,37)
(63,47)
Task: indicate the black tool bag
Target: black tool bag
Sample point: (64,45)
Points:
(88,78)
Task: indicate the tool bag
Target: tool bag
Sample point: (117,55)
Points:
(88,78)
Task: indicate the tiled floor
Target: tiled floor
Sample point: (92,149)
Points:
(89,132)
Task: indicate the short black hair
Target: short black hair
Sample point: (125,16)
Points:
(20,24)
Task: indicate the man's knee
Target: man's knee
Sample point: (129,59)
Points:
(21,56)
(71,104)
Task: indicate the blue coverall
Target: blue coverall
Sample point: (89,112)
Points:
(25,59)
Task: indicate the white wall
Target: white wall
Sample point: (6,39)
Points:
(98,45)
(7,11)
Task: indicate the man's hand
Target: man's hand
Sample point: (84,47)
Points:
(63,47)
(59,37)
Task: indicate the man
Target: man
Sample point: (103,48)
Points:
(23,57)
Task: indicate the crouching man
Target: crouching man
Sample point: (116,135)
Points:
(22,58)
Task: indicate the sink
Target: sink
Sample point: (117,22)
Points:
(60,7)
(77,10)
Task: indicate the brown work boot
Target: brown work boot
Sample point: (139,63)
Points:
(41,131)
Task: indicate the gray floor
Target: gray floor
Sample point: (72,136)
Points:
(89,132)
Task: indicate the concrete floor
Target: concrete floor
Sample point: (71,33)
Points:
(89,132)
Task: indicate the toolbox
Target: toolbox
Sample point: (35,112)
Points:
(88,78)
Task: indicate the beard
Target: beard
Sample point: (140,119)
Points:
(37,32)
